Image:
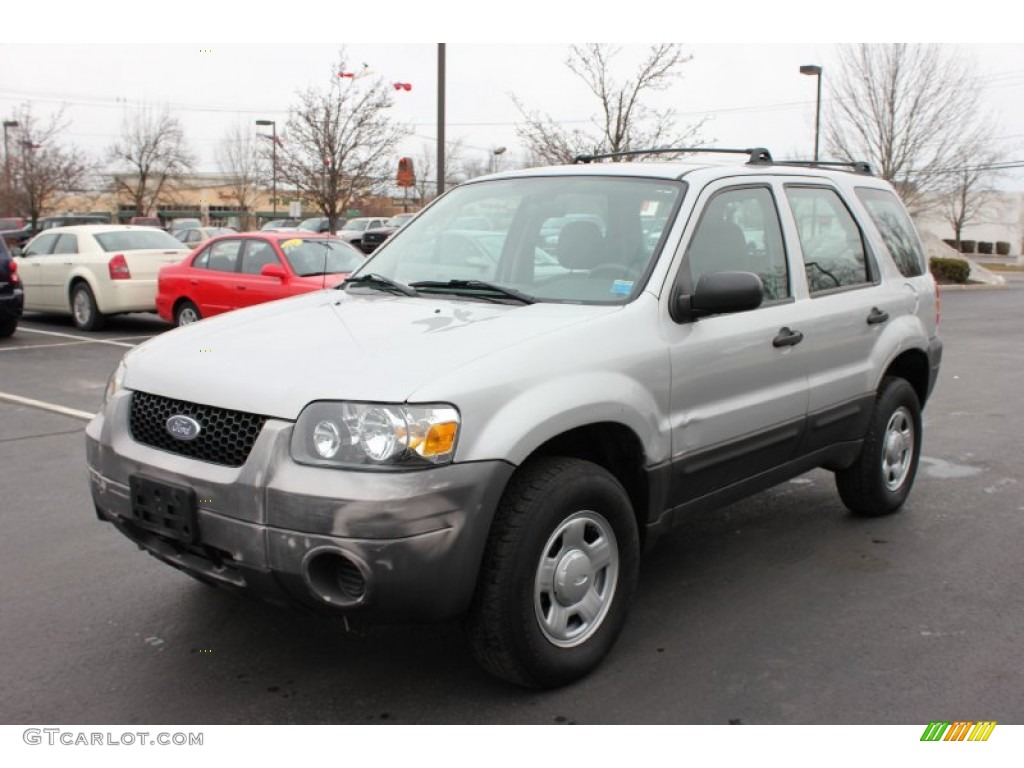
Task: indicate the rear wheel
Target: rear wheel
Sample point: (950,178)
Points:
(84,312)
(559,572)
(186,314)
(7,326)
(880,480)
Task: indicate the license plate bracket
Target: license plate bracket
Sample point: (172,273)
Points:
(166,509)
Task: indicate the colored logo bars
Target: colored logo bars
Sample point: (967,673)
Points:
(960,730)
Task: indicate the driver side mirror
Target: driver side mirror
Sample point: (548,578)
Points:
(718,293)
(274,270)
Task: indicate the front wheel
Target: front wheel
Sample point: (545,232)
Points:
(84,311)
(880,480)
(559,573)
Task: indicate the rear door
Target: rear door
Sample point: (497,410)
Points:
(30,268)
(213,276)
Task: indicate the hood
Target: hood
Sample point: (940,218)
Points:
(276,358)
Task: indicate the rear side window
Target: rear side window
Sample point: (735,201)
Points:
(896,229)
(137,240)
(222,256)
(832,243)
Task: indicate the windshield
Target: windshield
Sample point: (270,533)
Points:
(319,256)
(399,220)
(584,239)
(311,225)
(137,240)
(356,225)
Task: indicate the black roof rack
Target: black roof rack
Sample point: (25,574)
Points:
(758,155)
(857,166)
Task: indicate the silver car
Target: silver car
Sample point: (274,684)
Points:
(493,430)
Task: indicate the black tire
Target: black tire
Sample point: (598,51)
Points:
(7,326)
(879,481)
(84,311)
(513,623)
(185,310)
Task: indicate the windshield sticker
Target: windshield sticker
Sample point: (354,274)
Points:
(622,287)
(291,243)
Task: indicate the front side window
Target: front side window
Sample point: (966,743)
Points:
(739,231)
(41,246)
(896,229)
(583,239)
(833,246)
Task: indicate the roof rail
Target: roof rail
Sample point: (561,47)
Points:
(857,166)
(758,155)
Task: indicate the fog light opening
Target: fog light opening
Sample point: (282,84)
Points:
(336,579)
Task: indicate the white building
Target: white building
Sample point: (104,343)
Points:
(1001,220)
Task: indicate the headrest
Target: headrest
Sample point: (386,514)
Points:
(581,245)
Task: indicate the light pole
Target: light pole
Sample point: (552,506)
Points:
(8,124)
(273,159)
(814,69)
(495,153)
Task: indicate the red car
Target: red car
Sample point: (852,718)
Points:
(239,270)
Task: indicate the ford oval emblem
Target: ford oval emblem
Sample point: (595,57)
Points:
(183,428)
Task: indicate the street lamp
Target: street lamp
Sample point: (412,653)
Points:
(8,124)
(273,159)
(495,153)
(814,69)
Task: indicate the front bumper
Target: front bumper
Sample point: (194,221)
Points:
(400,546)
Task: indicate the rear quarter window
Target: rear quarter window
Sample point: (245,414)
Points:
(896,229)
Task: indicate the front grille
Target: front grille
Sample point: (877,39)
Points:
(225,437)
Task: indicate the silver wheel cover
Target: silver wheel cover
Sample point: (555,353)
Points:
(576,578)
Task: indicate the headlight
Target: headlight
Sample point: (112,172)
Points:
(379,435)
(115,383)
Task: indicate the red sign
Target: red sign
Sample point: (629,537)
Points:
(406,175)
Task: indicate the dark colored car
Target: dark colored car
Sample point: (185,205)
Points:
(19,237)
(12,294)
(372,238)
(11,222)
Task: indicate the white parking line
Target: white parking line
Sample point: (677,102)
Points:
(78,338)
(52,407)
(45,346)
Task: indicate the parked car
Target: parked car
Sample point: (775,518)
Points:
(353,230)
(9,223)
(240,270)
(421,445)
(373,237)
(177,225)
(319,224)
(93,271)
(12,295)
(146,221)
(193,236)
(19,237)
(275,225)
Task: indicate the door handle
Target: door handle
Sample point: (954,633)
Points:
(787,338)
(877,316)
(240,287)
(193,282)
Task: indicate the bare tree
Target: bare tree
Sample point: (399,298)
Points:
(153,151)
(43,169)
(245,165)
(912,111)
(339,143)
(967,190)
(454,172)
(624,121)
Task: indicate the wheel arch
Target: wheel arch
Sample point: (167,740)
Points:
(77,277)
(911,365)
(614,447)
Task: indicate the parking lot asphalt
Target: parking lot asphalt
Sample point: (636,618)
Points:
(778,609)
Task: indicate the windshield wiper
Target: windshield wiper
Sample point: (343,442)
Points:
(476,285)
(375,280)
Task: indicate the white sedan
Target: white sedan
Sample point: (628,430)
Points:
(93,271)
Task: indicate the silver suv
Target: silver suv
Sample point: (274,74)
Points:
(522,388)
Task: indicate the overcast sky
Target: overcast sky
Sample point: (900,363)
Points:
(749,91)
